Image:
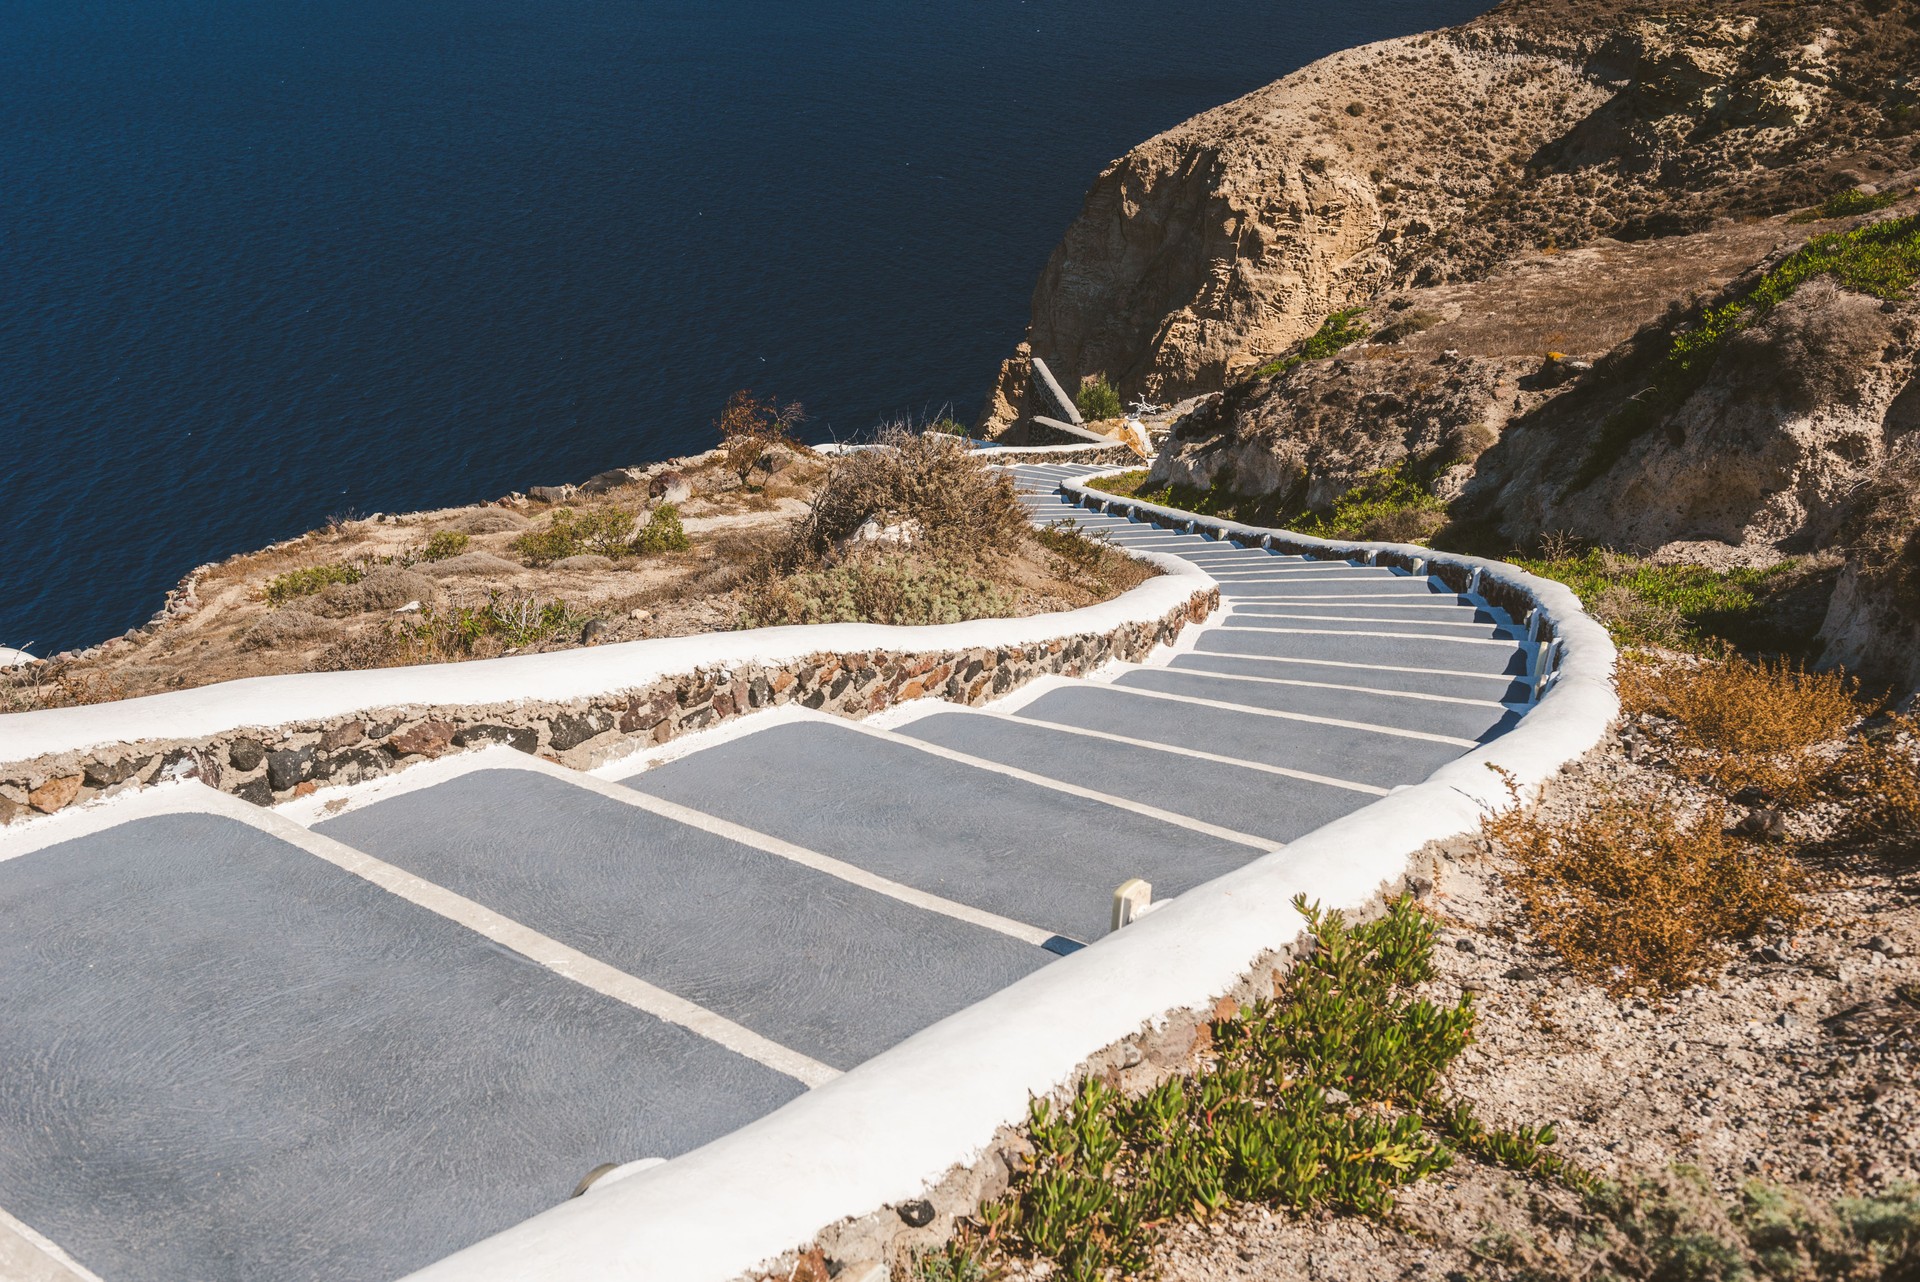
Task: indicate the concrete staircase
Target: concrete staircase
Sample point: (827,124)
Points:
(237,1046)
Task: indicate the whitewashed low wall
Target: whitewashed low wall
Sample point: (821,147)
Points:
(891,1129)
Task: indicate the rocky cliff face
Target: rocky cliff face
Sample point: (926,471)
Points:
(1214,247)
(1535,211)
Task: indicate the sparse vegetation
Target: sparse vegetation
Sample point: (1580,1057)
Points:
(749,427)
(1325,1095)
(1689,606)
(662,532)
(606,532)
(1090,559)
(1746,724)
(1849,203)
(1097,399)
(308,580)
(1881,260)
(1390,506)
(445,543)
(1633,892)
(873,587)
(475,630)
(1340,330)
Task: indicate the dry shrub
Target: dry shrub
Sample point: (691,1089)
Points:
(1881,776)
(283,628)
(961,507)
(871,587)
(385,587)
(1092,562)
(1632,893)
(1746,724)
(493,520)
(749,428)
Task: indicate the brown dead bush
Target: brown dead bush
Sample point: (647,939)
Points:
(1881,778)
(929,479)
(1741,723)
(385,588)
(283,628)
(1632,893)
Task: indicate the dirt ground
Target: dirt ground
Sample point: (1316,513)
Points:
(1795,1069)
(228,628)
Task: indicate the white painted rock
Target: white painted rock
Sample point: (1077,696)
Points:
(11,658)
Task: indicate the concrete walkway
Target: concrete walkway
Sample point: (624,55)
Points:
(233,1047)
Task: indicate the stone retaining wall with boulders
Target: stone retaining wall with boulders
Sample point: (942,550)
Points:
(266,766)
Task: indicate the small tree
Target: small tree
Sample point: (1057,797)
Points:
(1097,400)
(749,427)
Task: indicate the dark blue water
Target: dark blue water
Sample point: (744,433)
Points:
(263,261)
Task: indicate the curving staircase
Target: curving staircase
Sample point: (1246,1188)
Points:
(345,1041)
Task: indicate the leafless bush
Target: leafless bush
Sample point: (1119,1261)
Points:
(960,507)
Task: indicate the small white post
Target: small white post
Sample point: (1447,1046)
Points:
(1131,901)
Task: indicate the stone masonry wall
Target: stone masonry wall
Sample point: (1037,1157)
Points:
(265,766)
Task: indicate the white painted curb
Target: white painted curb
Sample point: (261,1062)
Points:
(586,672)
(884,1132)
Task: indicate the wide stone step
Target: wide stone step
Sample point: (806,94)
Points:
(1499,687)
(1477,721)
(1383,651)
(833,970)
(1275,806)
(1456,629)
(229,1059)
(1338,752)
(998,843)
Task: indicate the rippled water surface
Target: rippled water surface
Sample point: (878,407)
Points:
(266,261)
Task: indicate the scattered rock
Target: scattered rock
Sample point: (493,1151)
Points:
(1884,946)
(595,629)
(670,487)
(1761,822)
(288,767)
(1336,1097)
(106,774)
(257,791)
(10,810)
(411,607)
(570,731)
(555,494)
(524,738)
(55,794)
(245,754)
(604,481)
(428,739)
(343,736)
(916,1214)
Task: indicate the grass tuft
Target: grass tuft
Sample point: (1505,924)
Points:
(309,580)
(1340,330)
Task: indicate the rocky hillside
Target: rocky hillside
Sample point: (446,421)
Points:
(1639,277)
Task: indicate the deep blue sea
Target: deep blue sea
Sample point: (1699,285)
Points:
(264,261)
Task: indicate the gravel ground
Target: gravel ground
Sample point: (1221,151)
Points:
(1796,1068)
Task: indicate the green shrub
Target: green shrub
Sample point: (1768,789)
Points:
(443,544)
(1850,202)
(1096,400)
(902,588)
(459,631)
(603,533)
(1682,606)
(1881,260)
(309,580)
(1388,506)
(1315,1097)
(1340,330)
(663,532)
